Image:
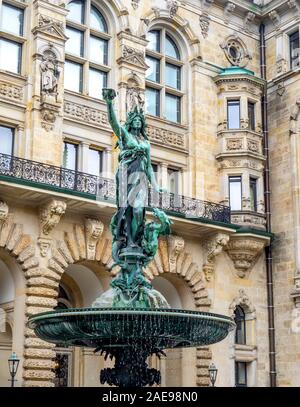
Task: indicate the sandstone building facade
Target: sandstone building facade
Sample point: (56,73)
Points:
(219,82)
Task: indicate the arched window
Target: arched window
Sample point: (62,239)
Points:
(163,77)
(87,49)
(240,320)
(12,36)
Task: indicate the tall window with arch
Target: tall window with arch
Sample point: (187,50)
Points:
(240,321)
(12,36)
(164,76)
(240,339)
(87,49)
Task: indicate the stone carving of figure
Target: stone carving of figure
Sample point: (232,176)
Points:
(135,99)
(49,74)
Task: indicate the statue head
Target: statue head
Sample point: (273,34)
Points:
(136,120)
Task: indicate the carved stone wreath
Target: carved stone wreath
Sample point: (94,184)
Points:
(236,51)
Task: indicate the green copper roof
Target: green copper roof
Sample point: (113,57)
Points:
(236,70)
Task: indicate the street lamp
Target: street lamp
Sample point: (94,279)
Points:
(13,364)
(213,372)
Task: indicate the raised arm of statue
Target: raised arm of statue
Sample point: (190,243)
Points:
(109,95)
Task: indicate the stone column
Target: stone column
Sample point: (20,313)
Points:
(164,176)
(244,112)
(83,157)
(295,163)
(107,168)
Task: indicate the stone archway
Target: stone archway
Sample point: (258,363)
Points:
(40,296)
(173,259)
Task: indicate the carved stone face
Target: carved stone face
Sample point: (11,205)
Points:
(97,230)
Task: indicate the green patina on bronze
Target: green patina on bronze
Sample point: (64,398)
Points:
(135,241)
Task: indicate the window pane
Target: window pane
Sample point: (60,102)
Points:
(70,156)
(241,374)
(76,11)
(6,140)
(97,81)
(154,40)
(152,102)
(294,50)
(251,115)
(74,45)
(98,50)
(233,107)
(10,56)
(172,107)
(155,170)
(153,72)
(239,319)
(95,162)
(73,76)
(12,19)
(253,194)
(171,48)
(97,21)
(173,176)
(235,193)
(172,76)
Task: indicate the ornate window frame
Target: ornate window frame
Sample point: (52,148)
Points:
(169,30)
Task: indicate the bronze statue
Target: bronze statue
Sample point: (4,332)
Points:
(135,242)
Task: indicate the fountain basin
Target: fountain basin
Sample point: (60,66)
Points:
(110,328)
(130,336)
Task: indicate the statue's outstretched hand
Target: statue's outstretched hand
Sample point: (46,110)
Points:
(108,94)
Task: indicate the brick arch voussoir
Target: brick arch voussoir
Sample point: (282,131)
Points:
(40,297)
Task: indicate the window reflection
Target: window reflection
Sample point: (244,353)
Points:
(6,140)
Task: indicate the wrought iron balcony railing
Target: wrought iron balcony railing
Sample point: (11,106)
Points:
(103,189)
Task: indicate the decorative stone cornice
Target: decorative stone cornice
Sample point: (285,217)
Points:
(214,246)
(228,10)
(85,114)
(204,21)
(274,16)
(50,26)
(172,6)
(166,137)
(3,212)
(50,215)
(242,300)
(249,219)
(248,20)
(244,250)
(133,56)
(11,91)
(93,231)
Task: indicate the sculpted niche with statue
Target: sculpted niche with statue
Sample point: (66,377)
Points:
(135,241)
